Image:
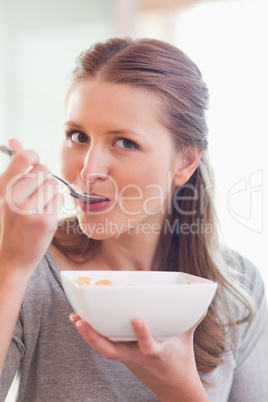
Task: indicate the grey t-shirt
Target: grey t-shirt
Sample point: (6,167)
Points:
(56,364)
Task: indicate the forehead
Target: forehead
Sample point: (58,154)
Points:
(114,101)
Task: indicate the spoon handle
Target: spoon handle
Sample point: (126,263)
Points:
(7,150)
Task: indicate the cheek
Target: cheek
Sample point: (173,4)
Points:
(146,192)
(62,160)
(67,165)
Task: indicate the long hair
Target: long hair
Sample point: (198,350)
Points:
(190,233)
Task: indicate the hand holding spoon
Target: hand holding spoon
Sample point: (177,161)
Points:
(84,197)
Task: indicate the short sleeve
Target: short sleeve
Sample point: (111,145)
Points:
(13,359)
(250,382)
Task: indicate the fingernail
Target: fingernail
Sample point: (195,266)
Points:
(79,325)
(138,325)
(71,317)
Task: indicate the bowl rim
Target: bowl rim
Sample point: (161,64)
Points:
(198,280)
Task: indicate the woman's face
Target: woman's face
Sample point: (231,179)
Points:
(114,146)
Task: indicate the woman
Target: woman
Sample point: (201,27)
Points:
(135,134)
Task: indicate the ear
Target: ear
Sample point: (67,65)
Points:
(187,164)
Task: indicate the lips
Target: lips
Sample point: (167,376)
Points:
(95,205)
(102,198)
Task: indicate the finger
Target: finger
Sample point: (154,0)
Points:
(121,351)
(20,189)
(19,164)
(98,342)
(15,144)
(53,209)
(147,344)
(73,317)
(32,200)
(47,199)
(54,206)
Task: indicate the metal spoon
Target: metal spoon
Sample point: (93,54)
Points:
(84,197)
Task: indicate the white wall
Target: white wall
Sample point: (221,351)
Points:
(41,41)
(228,41)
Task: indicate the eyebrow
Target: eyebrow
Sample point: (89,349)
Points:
(113,132)
(124,131)
(74,125)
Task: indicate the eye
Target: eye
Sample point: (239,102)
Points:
(76,137)
(126,143)
(79,137)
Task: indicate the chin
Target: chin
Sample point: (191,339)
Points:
(102,236)
(99,230)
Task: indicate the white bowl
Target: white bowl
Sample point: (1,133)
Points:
(169,302)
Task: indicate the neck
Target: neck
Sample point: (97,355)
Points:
(137,249)
(129,252)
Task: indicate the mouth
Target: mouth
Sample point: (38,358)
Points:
(94,198)
(98,204)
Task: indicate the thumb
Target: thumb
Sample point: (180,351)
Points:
(15,144)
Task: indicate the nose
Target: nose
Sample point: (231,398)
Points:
(95,166)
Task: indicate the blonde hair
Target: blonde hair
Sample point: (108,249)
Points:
(164,70)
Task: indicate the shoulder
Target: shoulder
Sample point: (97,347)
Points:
(44,292)
(246,275)
(43,278)
(241,376)
(31,310)
(250,285)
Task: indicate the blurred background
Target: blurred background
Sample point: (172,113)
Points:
(39,41)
